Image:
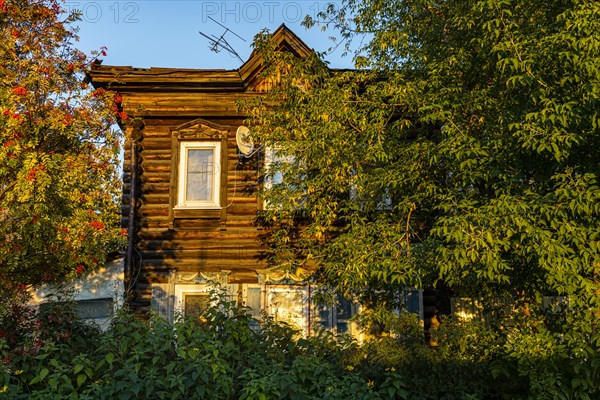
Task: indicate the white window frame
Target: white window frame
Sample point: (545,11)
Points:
(181,290)
(215,201)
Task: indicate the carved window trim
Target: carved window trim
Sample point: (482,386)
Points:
(201,134)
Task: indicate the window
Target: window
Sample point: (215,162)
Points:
(413,301)
(199,175)
(344,310)
(364,196)
(191,299)
(288,303)
(333,311)
(84,309)
(252,295)
(198,184)
(273,162)
(277,172)
(98,311)
(194,304)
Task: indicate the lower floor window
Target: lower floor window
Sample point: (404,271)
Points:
(305,307)
(194,304)
(335,313)
(288,303)
(191,300)
(84,309)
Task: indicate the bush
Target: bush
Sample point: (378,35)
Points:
(221,355)
(225,354)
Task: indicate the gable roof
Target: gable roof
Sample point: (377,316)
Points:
(190,80)
(285,40)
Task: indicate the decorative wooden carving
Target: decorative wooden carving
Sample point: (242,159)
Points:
(199,129)
(202,277)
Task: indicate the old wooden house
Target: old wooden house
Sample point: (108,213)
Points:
(191,203)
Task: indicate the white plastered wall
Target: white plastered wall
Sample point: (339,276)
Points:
(102,283)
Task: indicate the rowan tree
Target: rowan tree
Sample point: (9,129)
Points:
(59,179)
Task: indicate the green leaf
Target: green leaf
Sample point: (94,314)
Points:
(40,377)
(81,378)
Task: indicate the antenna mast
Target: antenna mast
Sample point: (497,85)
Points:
(218,43)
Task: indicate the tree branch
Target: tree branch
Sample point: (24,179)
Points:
(7,188)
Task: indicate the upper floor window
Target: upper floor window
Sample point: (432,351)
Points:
(199,175)
(275,162)
(369,196)
(198,184)
(277,176)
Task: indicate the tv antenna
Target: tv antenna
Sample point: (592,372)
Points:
(218,43)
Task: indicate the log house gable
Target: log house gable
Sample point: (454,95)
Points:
(286,40)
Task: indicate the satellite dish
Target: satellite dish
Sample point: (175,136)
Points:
(244,141)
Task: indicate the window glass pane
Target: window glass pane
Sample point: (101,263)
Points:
(287,306)
(275,162)
(344,308)
(343,313)
(194,304)
(253,302)
(412,301)
(321,316)
(322,312)
(342,327)
(200,175)
(98,308)
(278,176)
(85,309)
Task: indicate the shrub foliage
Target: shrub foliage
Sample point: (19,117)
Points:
(225,354)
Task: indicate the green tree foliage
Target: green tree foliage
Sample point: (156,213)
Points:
(462,150)
(58,155)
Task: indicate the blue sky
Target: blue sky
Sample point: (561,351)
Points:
(159,33)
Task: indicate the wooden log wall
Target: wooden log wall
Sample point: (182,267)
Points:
(164,99)
(194,244)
